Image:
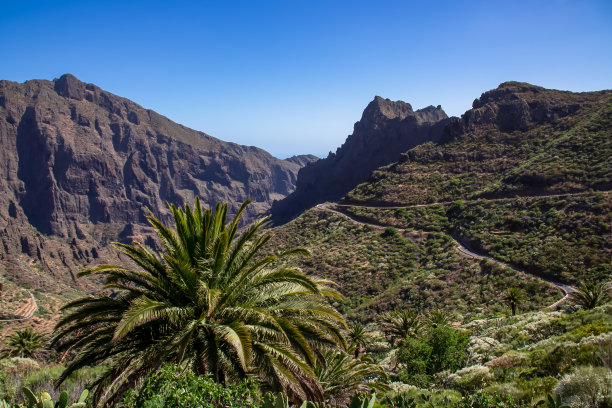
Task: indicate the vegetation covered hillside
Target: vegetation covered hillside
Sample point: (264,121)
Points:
(382,269)
(567,238)
(525,177)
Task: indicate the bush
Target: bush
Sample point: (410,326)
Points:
(414,354)
(536,387)
(486,400)
(586,387)
(173,386)
(16,373)
(471,378)
(442,348)
(561,358)
(389,232)
(591,329)
(12,370)
(506,390)
(448,348)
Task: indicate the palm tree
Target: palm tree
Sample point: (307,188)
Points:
(513,297)
(438,317)
(591,294)
(401,323)
(210,301)
(24,343)
(359,338)
(342,375)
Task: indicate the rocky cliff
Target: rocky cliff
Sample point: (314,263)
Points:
(81,166)
(386,129)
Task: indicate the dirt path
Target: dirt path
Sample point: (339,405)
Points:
(26,311)
(395,207)
(566,289)
(461,247)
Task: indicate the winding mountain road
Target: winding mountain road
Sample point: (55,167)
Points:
(395,207)
(26,311)
(461,247)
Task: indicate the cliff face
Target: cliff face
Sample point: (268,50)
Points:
(79,163)
(386,129)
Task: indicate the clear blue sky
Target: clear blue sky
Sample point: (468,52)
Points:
(293,76)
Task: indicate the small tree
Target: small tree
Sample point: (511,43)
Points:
(513,297)
(359,338)
(441,348)
(438,317)
(24,343)
(591,294)
(400,324)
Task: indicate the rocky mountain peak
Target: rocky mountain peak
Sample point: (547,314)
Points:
(430,114)
(381,108)
(386,129)
(69,86)
(519,105)
(507,92)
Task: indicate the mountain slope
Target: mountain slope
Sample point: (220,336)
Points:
(379,270)
(514,179)
(81,166)
(386,129)
(519,139)
(525,178)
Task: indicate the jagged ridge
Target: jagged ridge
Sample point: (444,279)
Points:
(386,129)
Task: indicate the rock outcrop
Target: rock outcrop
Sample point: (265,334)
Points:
(386,129)
(82,166)
(518,106)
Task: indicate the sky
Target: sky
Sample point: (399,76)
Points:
(293,76)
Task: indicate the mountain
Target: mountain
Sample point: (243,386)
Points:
(522,178)
(82,167)
(386,129)
(302,159)
(518,139)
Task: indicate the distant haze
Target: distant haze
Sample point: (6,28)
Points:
(293,77)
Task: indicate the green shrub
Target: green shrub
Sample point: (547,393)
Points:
(506,390)
(471,378)
(173,386)
(17,373)
(561,358)
(389,232)
(486,400)
(415,354)
(586,387)
(448,348)
(591,329)
(536,387)
(441,348)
